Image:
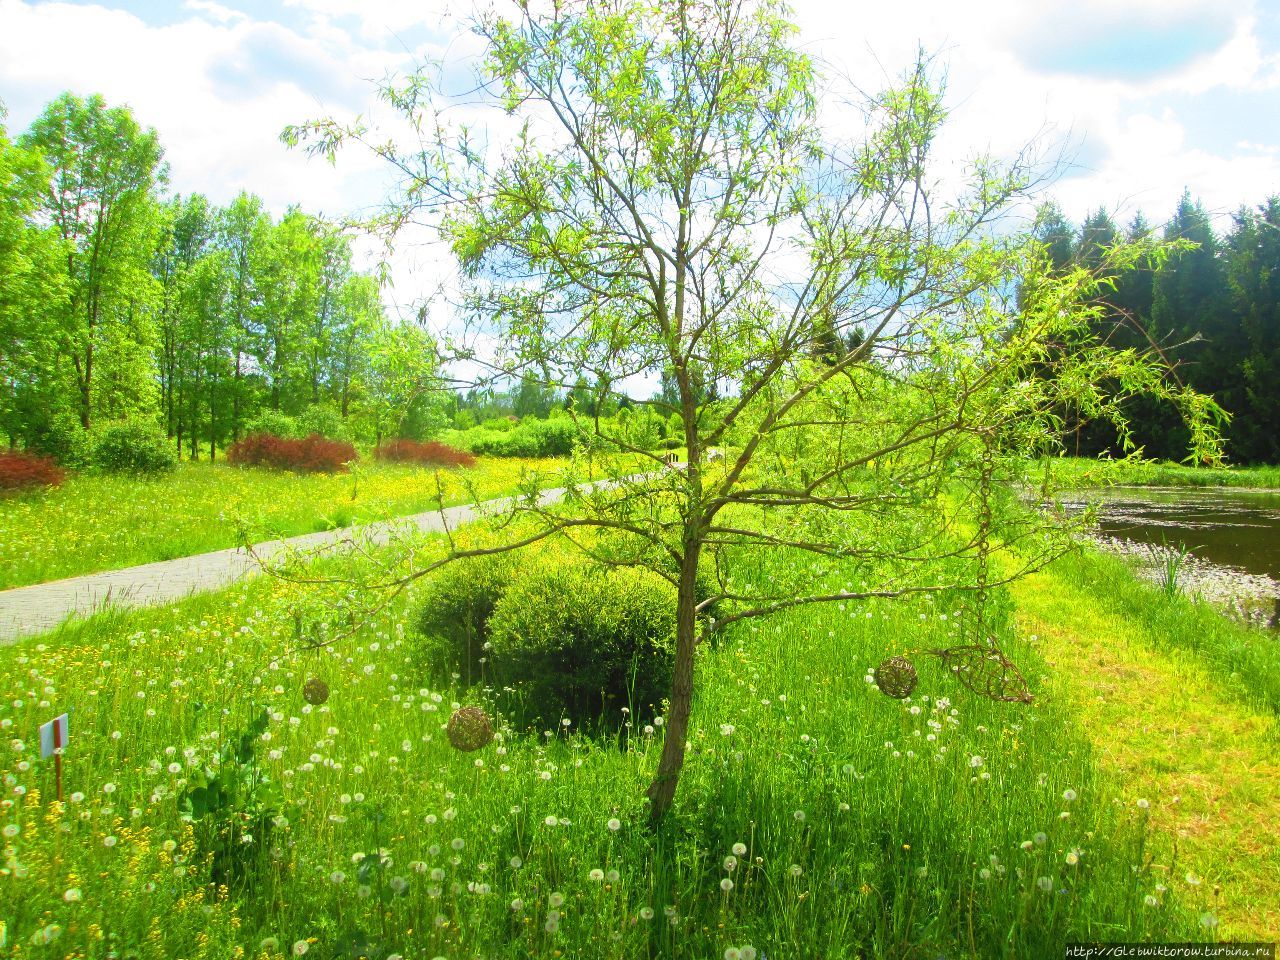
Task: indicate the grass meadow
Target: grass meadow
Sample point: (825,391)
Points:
(99,522)
(1076,472)
(817,817)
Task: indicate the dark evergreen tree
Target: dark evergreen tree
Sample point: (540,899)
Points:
(1253,279)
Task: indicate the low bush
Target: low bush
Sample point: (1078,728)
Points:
(25,471)
(63,439)
(275,424)
(454,619)
(583,642)
(313,454)
(323,421)
(133,447)
(537,438)
(571,638)
(431,454)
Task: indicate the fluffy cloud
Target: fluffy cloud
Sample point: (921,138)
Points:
(1147,97)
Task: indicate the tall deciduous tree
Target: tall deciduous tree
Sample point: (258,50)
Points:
(32,292)
(243,231)
(673,201)
(105,168)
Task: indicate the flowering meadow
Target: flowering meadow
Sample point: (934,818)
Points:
(211,811)
(106,521)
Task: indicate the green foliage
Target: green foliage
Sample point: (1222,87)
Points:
(122,303)
(456,606)
(236,807)
(105,169)
(323,420)
(580,642)
(531,438)
(571,638)
(276,424)
(62,438)
(1211,305)
(133,446)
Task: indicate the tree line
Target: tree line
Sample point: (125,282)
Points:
(1213,307)
(121,301)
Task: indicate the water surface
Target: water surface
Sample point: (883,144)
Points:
(1228,526)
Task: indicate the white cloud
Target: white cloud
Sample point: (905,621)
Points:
(215,11)
(220,83)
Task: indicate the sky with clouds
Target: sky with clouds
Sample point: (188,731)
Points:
(1148,96)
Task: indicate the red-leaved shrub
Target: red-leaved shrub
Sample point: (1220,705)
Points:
(314,454)
(429,454)
(21,471)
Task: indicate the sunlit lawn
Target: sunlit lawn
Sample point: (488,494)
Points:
(103,522)
(1086,472)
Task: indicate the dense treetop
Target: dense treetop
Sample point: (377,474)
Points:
(119,300)
(1213,307)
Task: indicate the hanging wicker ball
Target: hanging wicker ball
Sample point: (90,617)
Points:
(315,691)
(896,677)
(469,729)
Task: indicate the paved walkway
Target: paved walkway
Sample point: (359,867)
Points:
(41,607)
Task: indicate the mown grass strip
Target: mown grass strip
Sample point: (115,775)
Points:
(1146,678)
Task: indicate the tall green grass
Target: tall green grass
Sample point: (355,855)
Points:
(944,825)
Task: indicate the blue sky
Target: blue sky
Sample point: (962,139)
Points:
(1148,97)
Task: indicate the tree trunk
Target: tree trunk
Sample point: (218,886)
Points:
(213,421)
(662,791)
(235,400)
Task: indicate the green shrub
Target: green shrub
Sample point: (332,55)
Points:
(322,420)
(275,424)
(583,642)
(63,439)
(454,619)
(536,438)
(133,447)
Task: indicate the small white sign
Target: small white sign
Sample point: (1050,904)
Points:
(53,735)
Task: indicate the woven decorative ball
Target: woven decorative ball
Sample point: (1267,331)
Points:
(896,677)
(315,691)
(469,729)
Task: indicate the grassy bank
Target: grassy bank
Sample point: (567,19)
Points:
(943,825)
(104,522)
(1075,472)
(1182,707)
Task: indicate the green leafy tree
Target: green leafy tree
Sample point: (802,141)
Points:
(186,236)
(1189,315)
(401,371)
(100,200)
(667,156)
(243,230)
(33,293)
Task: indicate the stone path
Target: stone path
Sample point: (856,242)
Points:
(41,607)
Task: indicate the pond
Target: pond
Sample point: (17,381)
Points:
(1232,533)
(1230,526)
